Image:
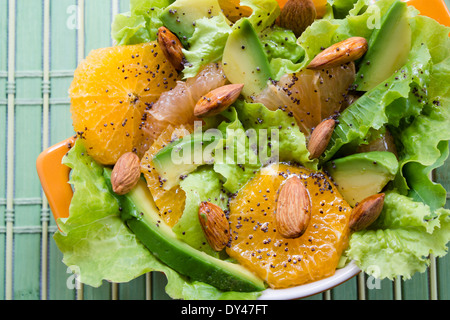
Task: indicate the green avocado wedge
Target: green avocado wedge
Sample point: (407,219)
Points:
(389,47)
(245,61)
(141,215)
(181,157)
(362,175)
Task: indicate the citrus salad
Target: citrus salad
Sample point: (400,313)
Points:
(242,145)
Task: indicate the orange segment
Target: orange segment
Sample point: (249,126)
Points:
(233,10)
(321,7)
(170,203)
(111,90)
(282,3)
(284,262)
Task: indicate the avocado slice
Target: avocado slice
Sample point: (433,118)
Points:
(142,217)
(362,175)
(181,15)
(184,156)
(389,48)
(245,61)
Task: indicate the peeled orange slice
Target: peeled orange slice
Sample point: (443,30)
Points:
(282,262)
(171,202)
(233,10)
(111,90)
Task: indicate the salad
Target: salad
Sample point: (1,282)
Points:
(242,145)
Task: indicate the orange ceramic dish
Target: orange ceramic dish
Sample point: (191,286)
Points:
(54,176)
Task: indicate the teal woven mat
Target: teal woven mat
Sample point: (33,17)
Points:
(41,42)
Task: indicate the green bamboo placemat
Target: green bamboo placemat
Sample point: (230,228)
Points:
(41,42)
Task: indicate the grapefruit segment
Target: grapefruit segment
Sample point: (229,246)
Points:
(310,96)
(176,107)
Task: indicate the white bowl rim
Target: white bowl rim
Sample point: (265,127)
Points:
(309,289)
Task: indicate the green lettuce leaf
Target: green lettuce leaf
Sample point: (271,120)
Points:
(290,142)
(372,111)
(206,44)
(423,140)
(201,185)
(140,24)
(257,137)
(341,8)
(178,287)
(400,241)
(98,246)
(237,159)
(265,12)
(282,50)
(128,30)
(413,104)
(95,242)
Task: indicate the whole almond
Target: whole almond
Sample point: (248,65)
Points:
(217,100)
(340,53)
(293,209)
(215,225)
(172,48)
(366,212)
(320,138)
(297,15)
(126,173)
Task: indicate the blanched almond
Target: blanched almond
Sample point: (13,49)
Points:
(126,173)
(293,209)
(215,225)
(340,53)
(320,138)
(217,100)
(366,212)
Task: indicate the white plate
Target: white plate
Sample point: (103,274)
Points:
(313,288)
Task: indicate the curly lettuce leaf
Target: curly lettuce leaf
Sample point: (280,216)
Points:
(264,137)
(140,24)
(414,105)
(95,242)
(283,52)
(400,241)
(341,8)
(373,110)
(265,12)
(290,144)
(201,185)
(98,246)
(206,44)
(423,140)
(237,158)
(178,287)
